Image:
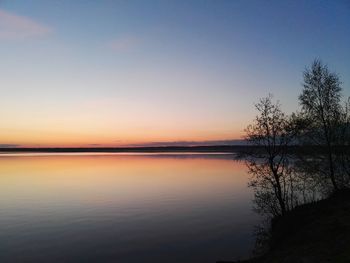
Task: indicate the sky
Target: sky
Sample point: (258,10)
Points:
(117,73)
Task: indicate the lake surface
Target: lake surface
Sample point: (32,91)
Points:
(124,208)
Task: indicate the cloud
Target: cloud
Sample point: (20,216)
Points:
(123,44)
(19,27)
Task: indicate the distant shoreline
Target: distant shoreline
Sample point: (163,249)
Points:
(159,149)
(194,149)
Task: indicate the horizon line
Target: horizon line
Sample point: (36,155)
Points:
(230,142)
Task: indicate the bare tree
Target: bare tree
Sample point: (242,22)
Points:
(343,153)
(270,133)
(321,109)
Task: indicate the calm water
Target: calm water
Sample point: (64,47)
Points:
(124,208)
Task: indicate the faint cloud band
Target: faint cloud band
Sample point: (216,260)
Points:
(13,27)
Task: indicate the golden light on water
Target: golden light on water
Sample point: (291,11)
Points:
(137,176)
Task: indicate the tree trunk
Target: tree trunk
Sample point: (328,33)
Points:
(280,198)
(279,189)
(331,168)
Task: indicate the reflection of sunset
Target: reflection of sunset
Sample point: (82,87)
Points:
(121,178)
(123,202)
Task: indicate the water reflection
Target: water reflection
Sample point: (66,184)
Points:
(124,208)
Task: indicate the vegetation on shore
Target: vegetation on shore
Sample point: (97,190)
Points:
(304,197)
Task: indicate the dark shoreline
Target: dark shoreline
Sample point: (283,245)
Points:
(315,232)
(214,149)
(240,149)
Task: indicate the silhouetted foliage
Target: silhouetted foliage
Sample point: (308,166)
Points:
(323,122)
(299,159)
(343,156)
(269,167)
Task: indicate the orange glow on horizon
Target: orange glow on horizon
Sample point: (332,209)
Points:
(109,139)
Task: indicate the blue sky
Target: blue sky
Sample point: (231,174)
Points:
(119,72)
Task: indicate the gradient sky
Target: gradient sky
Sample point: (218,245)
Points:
(82,73)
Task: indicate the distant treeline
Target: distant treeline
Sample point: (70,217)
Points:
(228,149)
(241,150)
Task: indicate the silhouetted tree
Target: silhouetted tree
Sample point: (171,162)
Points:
(283,178)
(271,134)
(322,112)
(343,153)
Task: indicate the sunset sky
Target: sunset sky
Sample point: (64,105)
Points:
(116,73)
